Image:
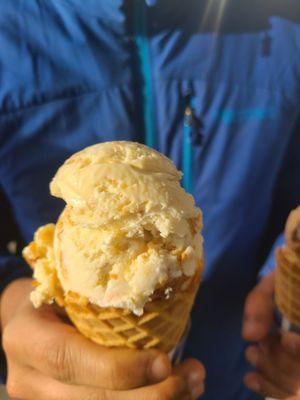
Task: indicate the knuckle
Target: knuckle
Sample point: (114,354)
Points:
(58,360)
(124,374)
(113,372)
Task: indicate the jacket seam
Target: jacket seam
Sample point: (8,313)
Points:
(61,97)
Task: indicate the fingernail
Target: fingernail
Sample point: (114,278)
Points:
(195,384)
(160,369)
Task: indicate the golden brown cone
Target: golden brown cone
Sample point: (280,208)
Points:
(287,275)
(292,230)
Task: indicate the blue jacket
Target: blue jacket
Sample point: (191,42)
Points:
(214,85)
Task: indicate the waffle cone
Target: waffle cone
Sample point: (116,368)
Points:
(287,286)
(287,274)
(162,324)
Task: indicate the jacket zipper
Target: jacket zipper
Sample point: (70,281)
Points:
(187,151)
(143,50)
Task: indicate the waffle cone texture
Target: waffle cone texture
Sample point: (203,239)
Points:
(287,275)
(162,324)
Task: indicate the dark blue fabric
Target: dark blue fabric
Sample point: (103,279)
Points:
(70,77)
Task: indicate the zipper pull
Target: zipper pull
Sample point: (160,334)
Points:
(194,125)
(188,116)
(187,150)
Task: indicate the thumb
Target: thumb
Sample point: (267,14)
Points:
(258,311)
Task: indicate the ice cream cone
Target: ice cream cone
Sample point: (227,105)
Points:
(287,275)
(125,257)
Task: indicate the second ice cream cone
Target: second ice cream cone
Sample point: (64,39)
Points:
(287,275)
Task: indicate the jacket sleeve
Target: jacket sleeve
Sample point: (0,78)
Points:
(286,197)
(270,262)
(12,266)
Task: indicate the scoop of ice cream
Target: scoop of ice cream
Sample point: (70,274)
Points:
(128,228)
(40,255)
(126,184)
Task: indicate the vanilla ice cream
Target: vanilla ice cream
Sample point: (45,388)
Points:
(128,229)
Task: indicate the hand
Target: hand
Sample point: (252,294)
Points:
(48,359)
(276,358)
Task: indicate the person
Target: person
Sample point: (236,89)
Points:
(214,85)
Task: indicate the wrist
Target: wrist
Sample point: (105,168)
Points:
(13,297)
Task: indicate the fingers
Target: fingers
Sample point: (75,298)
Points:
(57,350)
(193,372)
(258,311)
(284,356)
(31,385)
(270,371)
(173,388)
(260,385)
(78,361)
(28,384)
(276,365)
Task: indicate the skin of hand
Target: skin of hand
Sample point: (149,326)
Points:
(48,359)
(276,358)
